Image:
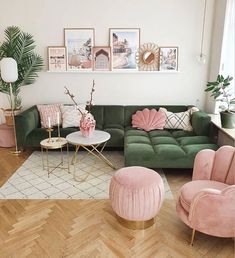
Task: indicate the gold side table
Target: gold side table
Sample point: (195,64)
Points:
(53,144)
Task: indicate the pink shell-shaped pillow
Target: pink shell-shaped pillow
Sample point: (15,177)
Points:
(149,119)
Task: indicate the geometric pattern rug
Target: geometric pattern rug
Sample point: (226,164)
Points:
(30,181)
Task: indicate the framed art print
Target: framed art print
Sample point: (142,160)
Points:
(79,43)
(124,44)
(168,59)
(101,58)
(56,58)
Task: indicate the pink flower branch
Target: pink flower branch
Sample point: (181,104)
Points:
(89,103)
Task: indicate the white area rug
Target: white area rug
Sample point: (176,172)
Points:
(30,181)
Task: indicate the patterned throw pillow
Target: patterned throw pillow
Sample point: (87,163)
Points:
(71,116)
(179,120)
(49,111)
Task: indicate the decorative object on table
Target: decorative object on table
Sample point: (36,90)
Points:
(136,195)
(168,59)
(202,57)
(49,130)
(56,58)
(87,122)
(211,191)
(59,139)
(49,111)
(9,74)
(221,91)
(149,119)
(124,44)
(20,46)
(79,43)
(147,57)
(101,58)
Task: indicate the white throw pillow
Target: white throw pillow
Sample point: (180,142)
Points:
(179,120)
(71,116)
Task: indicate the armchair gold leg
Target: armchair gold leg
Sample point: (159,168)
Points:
(192,238)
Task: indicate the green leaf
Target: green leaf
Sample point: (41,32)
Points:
(20,46)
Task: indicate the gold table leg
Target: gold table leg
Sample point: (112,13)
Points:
(95,152)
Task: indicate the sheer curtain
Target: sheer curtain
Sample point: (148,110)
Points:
(228,55)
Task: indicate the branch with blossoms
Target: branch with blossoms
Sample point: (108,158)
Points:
(89,103)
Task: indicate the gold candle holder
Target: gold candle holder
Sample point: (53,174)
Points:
(49,130)
(58,139)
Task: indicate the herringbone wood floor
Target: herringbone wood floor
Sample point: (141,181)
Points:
(88,228)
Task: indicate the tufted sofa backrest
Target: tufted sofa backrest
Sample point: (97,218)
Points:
(224,165)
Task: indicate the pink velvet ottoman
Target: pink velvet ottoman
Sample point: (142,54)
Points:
(136,195)
(6,136)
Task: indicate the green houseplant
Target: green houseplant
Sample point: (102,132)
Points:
(20,46)
(221,91)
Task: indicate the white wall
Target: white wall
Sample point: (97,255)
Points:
(165,22)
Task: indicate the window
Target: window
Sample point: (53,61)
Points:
(228,55)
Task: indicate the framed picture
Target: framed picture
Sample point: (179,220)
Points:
(56,58)
(168,58)
(124,44)
(101,58)
(79,43)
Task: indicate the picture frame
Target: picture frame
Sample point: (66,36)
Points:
(79,43)
(168,60)
(124,43)
(102,58)
(56,58)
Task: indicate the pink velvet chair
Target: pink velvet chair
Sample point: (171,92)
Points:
(207,203)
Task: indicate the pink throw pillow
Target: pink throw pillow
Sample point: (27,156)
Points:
(49,111)
(149,119)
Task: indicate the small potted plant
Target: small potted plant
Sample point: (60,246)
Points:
(222,92)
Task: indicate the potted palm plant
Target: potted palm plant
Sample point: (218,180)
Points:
(221,91)
(20,46)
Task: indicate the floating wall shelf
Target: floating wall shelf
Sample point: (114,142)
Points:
(116,72)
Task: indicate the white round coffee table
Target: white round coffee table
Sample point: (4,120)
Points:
(90,144)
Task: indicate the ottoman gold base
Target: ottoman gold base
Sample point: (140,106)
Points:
(132,224)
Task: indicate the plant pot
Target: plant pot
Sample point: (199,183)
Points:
(8,115)
(227,119)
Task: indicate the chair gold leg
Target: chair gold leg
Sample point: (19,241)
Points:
(192,238)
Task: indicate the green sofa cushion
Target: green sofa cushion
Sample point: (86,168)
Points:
(163,140)
(117,137)
(181,133)
(158,133)
(113,115)
(193,140)
(195,148)
(168,151)
(138,139)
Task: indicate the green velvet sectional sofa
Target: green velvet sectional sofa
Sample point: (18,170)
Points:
(154,149)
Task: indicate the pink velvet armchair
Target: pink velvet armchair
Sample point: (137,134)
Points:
(207,203)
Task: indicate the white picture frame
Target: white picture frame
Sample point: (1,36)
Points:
(124,44)
(79,43)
